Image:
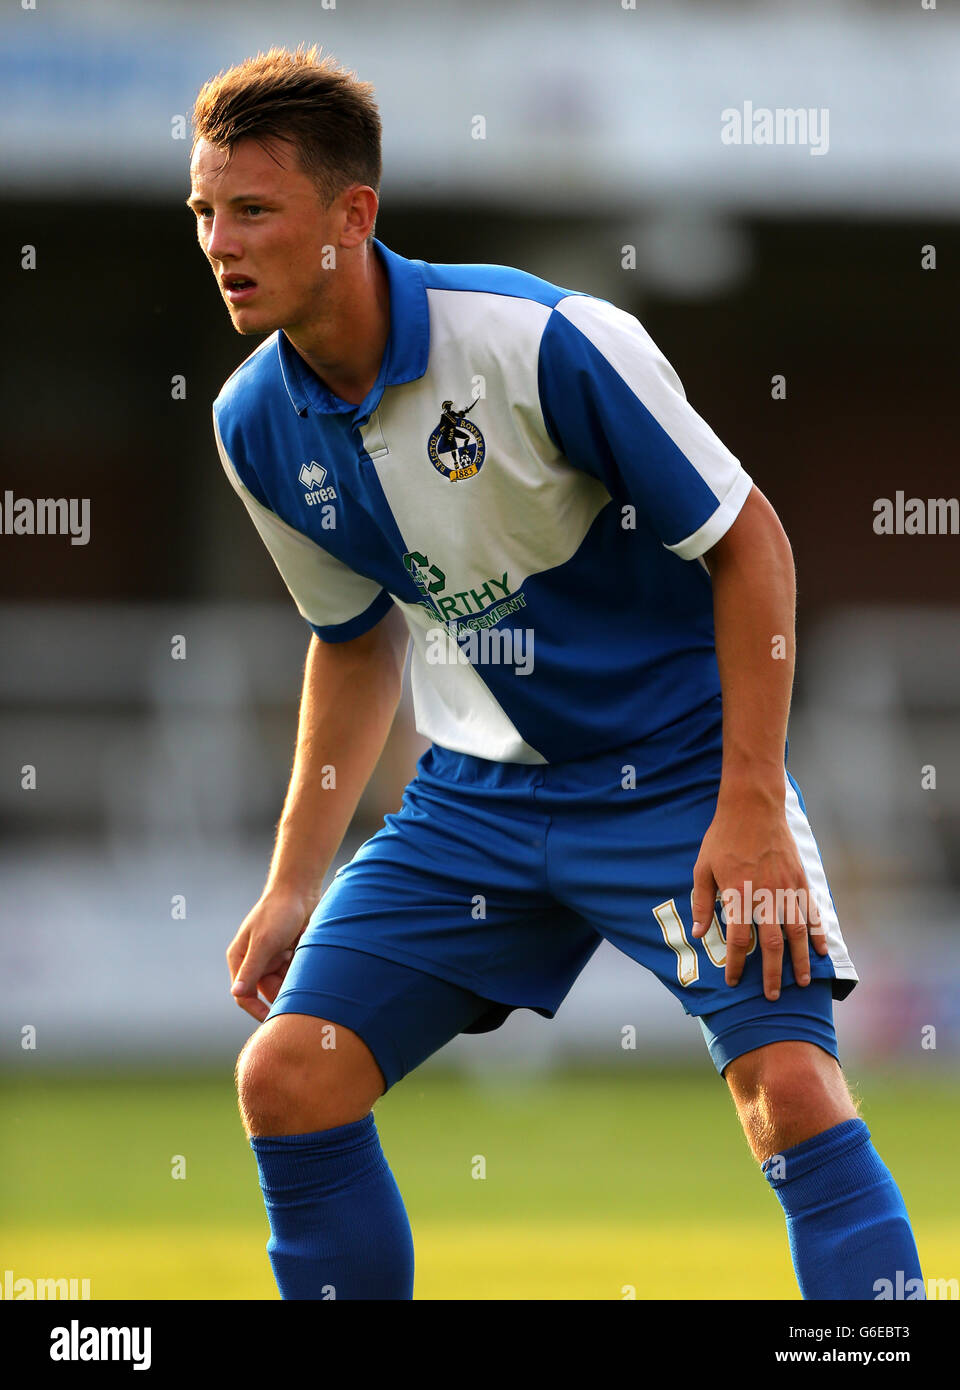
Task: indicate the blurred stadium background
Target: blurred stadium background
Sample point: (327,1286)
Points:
(129,866)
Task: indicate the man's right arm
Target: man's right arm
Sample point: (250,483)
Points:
(350,695)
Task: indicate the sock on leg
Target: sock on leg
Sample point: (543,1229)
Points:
(338,1225)
(846,1220)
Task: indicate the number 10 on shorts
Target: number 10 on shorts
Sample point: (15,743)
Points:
(688,962)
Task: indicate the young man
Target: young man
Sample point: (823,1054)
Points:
(498,467)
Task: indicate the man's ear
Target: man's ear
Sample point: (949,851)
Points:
(360,205)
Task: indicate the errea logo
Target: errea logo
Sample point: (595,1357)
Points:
(312,477)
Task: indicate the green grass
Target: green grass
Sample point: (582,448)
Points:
(593,1182)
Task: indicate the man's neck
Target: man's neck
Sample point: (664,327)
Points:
(346,347)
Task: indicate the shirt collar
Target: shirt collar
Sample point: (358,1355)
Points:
(404,358)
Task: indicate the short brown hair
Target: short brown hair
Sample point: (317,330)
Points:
(325,111)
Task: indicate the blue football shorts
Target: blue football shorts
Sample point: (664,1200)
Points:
(493,885)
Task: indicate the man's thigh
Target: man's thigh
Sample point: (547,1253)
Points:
(621,854)
(401,1014)
(442,923)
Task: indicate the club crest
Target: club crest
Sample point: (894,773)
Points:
(456,447)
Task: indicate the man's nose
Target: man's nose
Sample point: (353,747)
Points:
(222,241)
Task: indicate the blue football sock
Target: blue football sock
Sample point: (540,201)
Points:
(847,1224)
(337,1221)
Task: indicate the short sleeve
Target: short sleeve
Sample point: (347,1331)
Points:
(337,602)
(615,408)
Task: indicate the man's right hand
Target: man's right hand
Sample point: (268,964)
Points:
(259,955)
(350,695)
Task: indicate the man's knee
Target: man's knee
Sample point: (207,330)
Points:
(787,1092)
(298,1074)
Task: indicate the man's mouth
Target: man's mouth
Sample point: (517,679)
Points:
(238,287)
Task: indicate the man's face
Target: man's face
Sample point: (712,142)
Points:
(263,228)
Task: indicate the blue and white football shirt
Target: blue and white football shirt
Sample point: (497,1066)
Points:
(526,481)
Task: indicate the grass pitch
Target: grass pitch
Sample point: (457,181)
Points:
(596,1186)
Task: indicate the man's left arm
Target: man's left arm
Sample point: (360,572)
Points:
(616,409)
(749,843)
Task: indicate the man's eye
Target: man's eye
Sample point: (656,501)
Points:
(203,213)
(253,208)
